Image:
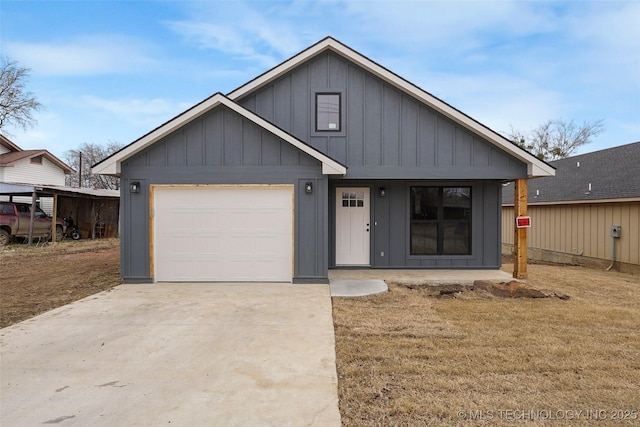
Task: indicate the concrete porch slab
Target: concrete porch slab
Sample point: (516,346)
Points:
(356,287)
(435,277)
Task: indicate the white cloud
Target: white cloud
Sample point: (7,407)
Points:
(502,62)
(93,119)
(135,111)
(451,26)
(257,32)
(497,99)
(84,55)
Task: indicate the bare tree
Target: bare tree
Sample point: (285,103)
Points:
(85,156)
(16,104)
(556,139)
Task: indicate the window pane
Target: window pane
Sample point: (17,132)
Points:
(457,238)
(456,203)
(424,239)
(440,221)
(328,111)
(424,203)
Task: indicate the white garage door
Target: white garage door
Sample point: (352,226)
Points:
(223,233)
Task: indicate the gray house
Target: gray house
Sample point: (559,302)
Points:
(327,160)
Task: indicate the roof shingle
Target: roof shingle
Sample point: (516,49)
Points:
(613,173)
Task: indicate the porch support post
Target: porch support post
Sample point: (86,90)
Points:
(520,246)
(33,216)
(54,219)
(93,219)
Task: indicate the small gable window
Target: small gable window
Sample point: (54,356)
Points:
(328,112)
(37,160)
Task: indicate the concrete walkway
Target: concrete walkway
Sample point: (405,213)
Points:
(175,354)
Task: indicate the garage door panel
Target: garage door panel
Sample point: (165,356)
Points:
(269,245)
(223,233)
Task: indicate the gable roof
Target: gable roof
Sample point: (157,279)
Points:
(9,144)
(613,174)
(16,153)
(111,165)
(535,166)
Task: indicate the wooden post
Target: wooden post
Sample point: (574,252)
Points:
(93,219)
(520,243)
(54,220)
(33,216)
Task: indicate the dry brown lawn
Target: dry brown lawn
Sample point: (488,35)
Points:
(38,279)
(407,359)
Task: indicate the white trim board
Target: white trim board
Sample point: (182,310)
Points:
(111,165)
(535,167)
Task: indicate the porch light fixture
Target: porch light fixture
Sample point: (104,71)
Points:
(308,187)
(134,187)
(382,192)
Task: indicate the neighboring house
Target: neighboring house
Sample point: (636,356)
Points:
(38,167)
(573,212)
(30,166)
(23,172)
(327,160)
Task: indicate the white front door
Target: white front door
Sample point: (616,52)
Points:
(352,226)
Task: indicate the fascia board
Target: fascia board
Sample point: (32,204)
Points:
(328,163)
(9,144)
(327,169)
(578,202)
(111,165)
(281,69)
(535,167)
(540,169)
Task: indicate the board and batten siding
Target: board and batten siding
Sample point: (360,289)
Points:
(581,229)
(386,134)
(223,148)
(391,216)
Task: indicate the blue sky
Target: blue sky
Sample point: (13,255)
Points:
(114,70)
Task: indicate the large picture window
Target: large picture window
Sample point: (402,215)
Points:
(440,220)
(328,112)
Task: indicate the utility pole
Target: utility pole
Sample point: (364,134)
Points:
(80,170)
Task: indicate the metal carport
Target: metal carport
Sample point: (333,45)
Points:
(97,211)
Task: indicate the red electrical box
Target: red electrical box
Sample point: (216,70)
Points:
(523,222)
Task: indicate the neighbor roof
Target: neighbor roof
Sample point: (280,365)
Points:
(535,166)
(111,165)
(9,144)
(29,189)
(613,174)
(17,153)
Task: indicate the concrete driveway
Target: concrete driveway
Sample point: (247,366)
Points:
(175,354)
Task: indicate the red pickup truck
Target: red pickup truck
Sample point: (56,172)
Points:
(15,218)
